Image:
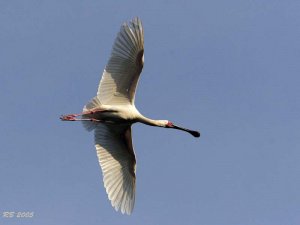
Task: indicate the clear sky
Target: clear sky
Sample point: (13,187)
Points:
(227,68)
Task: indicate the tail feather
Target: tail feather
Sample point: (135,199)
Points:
(93,104)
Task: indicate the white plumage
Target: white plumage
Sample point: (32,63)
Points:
(112,112)
(117,160)
(121,74)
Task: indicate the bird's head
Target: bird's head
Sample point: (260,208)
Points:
(169,124)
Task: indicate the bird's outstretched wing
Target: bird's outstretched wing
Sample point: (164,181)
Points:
(117,160)
(121,74)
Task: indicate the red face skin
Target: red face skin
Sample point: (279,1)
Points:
(169,124)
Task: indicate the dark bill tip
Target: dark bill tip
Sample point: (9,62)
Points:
(192,132)
(195,133)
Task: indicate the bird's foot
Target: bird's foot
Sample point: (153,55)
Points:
(70,117)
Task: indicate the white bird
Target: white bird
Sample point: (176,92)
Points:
(112,112)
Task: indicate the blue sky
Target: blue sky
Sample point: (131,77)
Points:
(227,68)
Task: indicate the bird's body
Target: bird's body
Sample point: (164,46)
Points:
(112,112)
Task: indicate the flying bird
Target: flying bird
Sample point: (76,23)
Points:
(112,112)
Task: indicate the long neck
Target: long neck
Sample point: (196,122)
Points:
(145,120)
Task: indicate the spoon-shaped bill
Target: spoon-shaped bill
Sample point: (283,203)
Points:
(192,132)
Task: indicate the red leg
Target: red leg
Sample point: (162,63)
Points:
(92,111)
(72,117)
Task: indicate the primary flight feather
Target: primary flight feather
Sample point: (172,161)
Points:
(112,112)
